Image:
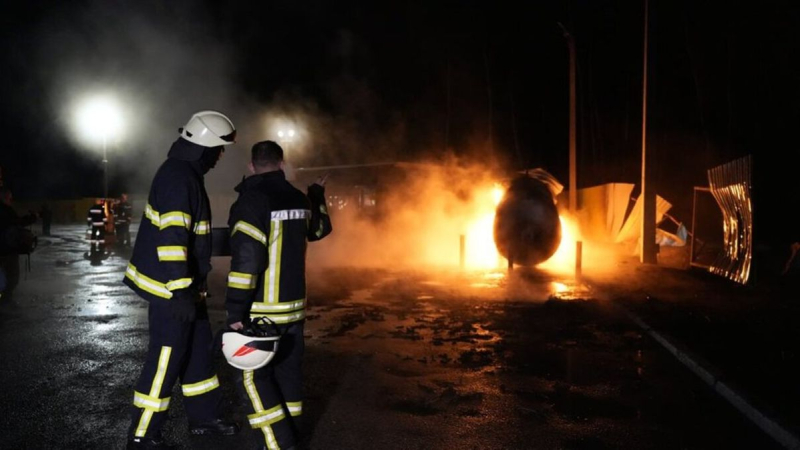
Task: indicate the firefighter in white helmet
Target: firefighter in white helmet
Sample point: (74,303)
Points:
(171,258)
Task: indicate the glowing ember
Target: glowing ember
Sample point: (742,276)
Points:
(569,291)
(559,287)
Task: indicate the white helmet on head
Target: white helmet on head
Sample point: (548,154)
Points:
(252,347)
(209,129)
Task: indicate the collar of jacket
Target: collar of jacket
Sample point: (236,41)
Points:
(266,177)
(183,150)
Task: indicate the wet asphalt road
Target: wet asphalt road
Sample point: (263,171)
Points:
(396,359)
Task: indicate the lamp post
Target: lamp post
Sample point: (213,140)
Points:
(286,137)
(105,167)
(98,119)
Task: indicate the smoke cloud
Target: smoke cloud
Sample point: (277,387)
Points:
(163,62)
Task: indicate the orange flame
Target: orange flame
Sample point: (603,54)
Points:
(563,260)
(480,250)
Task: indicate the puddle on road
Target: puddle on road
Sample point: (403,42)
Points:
(569,290)
(490,280)
(360,295)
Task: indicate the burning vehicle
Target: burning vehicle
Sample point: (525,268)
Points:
(527,228)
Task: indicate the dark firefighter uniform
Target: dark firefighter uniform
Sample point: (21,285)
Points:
(270,225)
(123,213)
(170,260)
(96,219)
(14,240)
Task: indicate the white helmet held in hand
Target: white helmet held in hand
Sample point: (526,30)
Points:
(252,347)
(209,129)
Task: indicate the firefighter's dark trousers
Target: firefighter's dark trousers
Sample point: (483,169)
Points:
(275,392)
(98,239)
(123,234)
(10,266)
(177,351)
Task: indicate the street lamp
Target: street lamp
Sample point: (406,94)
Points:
(286,137)
(99,119)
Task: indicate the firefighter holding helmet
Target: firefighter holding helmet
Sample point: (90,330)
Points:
(271,223)
(170,260)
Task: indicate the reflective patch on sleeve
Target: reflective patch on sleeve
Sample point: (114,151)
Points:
(146,283)
(320,230)
(176,219)
(282,318)
(169,219)
(172,253)
(152,215)
(282,307)
(180,283)
(250,230)
(202,227)
(241,280)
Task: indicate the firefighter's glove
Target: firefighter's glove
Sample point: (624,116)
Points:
(202,285)
(236,313)
(182,305)
(316,192)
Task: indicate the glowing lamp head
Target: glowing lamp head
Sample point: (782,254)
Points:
(99,118)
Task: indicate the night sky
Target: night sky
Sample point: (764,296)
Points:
(401,81)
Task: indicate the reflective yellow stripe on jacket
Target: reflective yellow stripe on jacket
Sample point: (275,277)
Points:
(172,253)
(169,219)
(241,280)
(145,283)
(284,312)
(250,230)
(202,227)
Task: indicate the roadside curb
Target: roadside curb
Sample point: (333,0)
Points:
(712,377)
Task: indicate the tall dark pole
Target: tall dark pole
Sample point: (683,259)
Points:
(649,253)
(573,164)
(514,127)
(105,169)
(489,91)
(447,116)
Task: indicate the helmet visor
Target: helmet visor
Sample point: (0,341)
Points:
(229,138)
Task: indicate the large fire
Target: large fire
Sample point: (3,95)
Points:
(563,260)
(439,218)
(480,251)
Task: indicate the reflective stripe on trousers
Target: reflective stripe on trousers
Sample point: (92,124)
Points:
(178,351)
(274,393)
